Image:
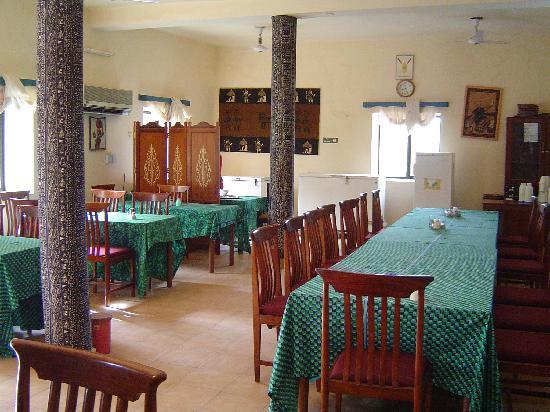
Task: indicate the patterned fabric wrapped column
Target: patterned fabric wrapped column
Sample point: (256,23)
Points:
(61,173)
(283,87)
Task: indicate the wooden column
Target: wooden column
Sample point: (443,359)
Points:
(283,87)
(61,173)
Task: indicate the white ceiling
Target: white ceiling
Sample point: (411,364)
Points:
(501,20)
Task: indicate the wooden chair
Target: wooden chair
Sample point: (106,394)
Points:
(108,186)
(364,231)
(14,205)
(150,203)
(268,302)
(330,232)
(10,213)
(94,372)
(377,218)
(113,197)
(100,251)
(2,206)
(28,222)
(520,240)
(366,369)
(349,226)
(176,192)
(533,272)
(314,236)
(296,273)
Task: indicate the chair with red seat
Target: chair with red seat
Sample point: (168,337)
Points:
(527,318)
(315,239)
(349,224)
(364,230)
(532,272)
(522,296)
(521,240)
(268,302)
(15,214)
(111,197)
(330,235)
(11,212)
(28,221)
(377,218)
(538,231)
(369,369)
(100,251)
(296,273)
(150,203)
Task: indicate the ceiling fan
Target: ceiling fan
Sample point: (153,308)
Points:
(259,48)
(478,37)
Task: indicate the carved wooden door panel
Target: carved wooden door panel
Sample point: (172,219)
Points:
(177,155)
(149,156)
(204,162)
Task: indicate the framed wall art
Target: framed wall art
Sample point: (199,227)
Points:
(482,112)
(404,67)
(98,133)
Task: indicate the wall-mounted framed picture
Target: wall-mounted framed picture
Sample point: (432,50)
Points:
(482,112)
(404,67)
(98,133)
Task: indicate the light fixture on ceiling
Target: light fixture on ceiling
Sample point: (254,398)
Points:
(478,36)
(259,48)
(103,53)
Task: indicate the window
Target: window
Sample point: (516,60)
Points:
(18,154)
(394,151)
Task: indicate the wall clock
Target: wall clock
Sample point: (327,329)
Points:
(405,88)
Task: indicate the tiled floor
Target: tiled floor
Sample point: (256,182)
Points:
(199,332)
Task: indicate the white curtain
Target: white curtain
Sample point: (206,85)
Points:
(15,94)
(160,111)
(177,112)
(411,115)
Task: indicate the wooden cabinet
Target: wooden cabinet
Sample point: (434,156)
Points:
(514,215)
(527,151)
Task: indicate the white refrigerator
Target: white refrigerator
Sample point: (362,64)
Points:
(433,180)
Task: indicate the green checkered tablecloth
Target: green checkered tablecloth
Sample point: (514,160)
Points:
(205,220)
(20,302)
(458,334)
(249,206)
(147,235)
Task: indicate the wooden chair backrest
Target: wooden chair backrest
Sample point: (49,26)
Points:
(113,197)
(266,273)
(372,286)
(377,219)
(294,253)
(541,228)
(108,186)
(330,231)
(2,206)
(13,206)
(349,225)
(363,215)
(111,377)
(151,203)
(28,221)
(176,192)
(94,239)
(10,213)
(314,235)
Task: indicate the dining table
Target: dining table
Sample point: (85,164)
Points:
(20,291)
(250,207)
(157,242)
(458,332)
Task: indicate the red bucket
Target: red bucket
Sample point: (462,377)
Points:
(101,332)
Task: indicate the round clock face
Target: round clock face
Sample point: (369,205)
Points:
(405,88)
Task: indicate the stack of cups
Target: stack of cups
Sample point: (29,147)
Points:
(525,192)
(544,189)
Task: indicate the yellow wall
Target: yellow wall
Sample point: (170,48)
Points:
(352,72)
(145,61)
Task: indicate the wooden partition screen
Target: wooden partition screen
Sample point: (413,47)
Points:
(149,156)
(177,155)
(203,142)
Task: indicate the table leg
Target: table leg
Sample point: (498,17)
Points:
(211,253)
(231,245)
(303,395)
(169,263)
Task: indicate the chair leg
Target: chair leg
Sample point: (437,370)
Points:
(133,274)
(324,397)
(95,276)
(107,284)
(428,396)
(338,402)
(257,348)
(465,405)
